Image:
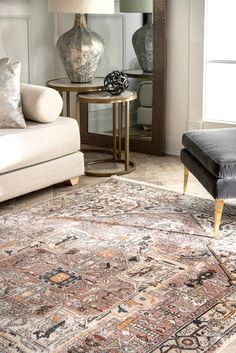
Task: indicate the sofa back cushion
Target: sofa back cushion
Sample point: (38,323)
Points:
(41,104)
(145,94)
(10,101)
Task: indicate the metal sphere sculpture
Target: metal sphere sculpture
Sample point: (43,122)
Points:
(116,82)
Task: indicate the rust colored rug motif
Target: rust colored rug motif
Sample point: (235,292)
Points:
(119,267)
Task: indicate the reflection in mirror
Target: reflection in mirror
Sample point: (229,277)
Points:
(141,118)
(142,39)
(95,130)
(117,31)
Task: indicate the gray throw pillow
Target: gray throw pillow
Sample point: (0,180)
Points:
(10,100)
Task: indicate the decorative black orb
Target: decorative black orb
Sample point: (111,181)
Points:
(116,82)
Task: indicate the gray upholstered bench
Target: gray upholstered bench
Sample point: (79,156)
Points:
(210,155)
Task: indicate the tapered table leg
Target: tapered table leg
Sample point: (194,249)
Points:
(219,205)
(186,175)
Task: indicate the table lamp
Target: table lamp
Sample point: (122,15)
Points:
(80,48)
(143,37)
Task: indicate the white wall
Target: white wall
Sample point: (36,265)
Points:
(29,33)
(34,48)
(185,30)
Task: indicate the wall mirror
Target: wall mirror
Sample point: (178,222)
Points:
(147,114)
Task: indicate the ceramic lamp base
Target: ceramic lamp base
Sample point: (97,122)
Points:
(143,45)
(80,50)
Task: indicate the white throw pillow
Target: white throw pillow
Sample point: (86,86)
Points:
(41,104)
(10,101)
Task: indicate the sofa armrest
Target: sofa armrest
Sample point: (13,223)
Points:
(41,104)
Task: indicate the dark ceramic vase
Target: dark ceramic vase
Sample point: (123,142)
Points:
(143,45)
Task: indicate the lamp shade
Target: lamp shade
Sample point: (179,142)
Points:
(142,6)
(81,6)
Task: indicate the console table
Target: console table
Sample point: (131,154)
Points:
(119,103)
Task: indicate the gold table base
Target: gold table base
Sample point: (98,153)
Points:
(132,167)
(121,105)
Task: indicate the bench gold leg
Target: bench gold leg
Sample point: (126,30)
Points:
(72,181)
(219,205)
(186,175)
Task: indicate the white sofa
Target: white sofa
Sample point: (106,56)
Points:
(43,154)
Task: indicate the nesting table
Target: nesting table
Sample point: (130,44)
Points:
(139,74)
(65,85)
(120,104)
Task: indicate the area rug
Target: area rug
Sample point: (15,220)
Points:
(119,267)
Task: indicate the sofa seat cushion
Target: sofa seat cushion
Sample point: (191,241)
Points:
(214,149)
(37,143)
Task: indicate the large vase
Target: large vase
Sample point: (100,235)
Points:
(143,45)
(80,50)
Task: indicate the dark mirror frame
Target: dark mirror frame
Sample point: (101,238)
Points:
(157,144)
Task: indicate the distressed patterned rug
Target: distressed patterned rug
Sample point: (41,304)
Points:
(119,267)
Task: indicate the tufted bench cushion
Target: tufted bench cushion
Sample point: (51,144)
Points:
(214,149)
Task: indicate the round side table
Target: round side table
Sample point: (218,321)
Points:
(64,85)
(119,103)
(139,74)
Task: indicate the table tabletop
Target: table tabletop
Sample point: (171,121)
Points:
(65,85)
(105,97)
(138,74)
